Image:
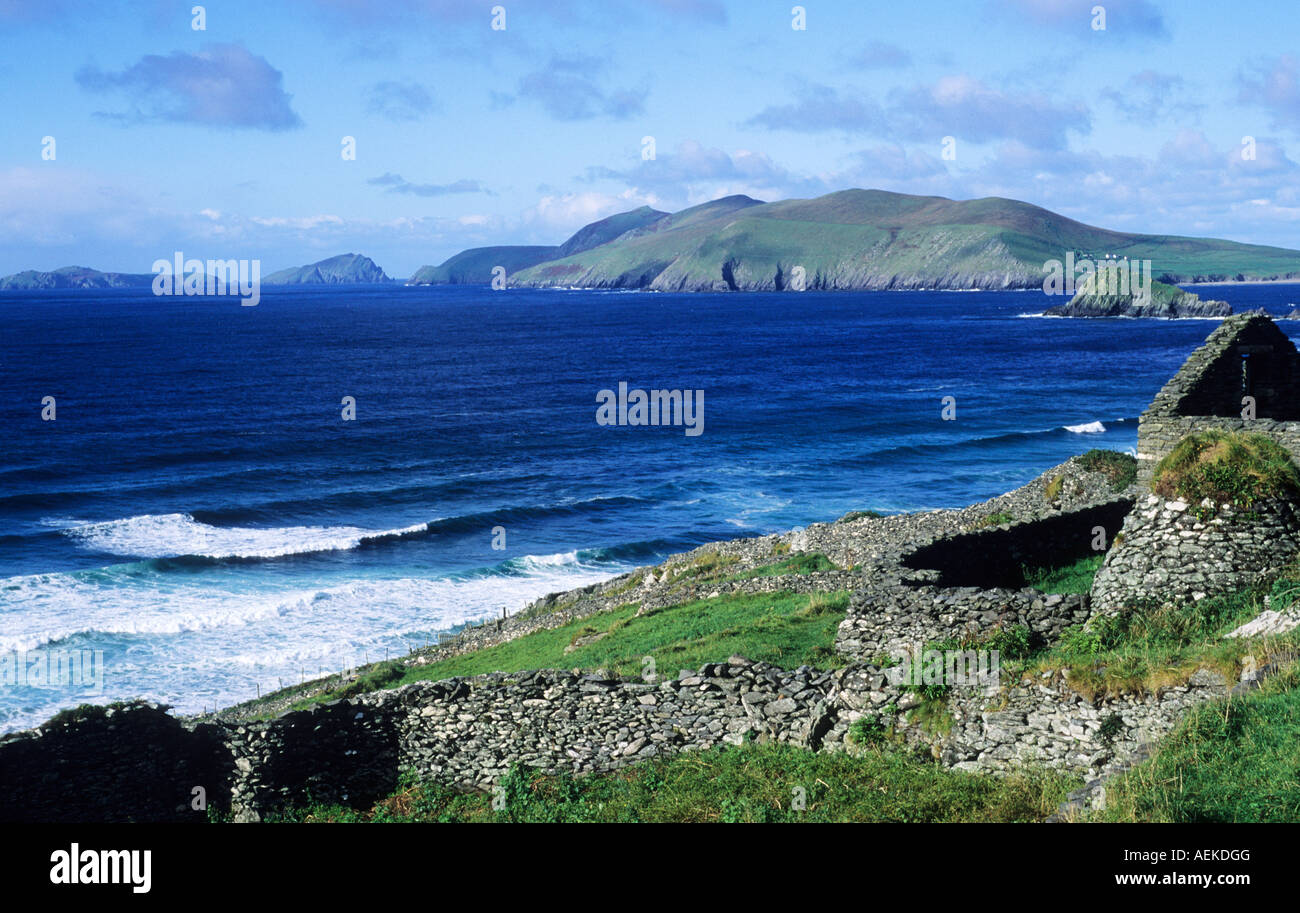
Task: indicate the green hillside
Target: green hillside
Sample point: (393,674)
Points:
(878,240)
(474,266)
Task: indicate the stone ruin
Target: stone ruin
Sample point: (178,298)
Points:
(1247,366)
(1245,378)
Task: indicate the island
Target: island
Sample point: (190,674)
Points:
(345,269)
(851,239)
(1165,301)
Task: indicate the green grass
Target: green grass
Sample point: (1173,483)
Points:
(1120,468)
(860,515)
(748,783)
(784,628)
(1074,578)
(1227,467)
(997,519)
(705,566)
(1150,647)
(1232,761)
(803,563)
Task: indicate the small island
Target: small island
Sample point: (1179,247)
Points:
(1165,301)
(345,269)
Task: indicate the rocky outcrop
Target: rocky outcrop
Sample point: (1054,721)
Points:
(1165,301)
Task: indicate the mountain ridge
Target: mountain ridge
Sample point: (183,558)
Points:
(865,239)
(474,265)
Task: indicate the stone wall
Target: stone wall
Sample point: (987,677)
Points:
(1215,377)
(137,763)
(1169,553)
(1047,723)
(881,622)
(468,732)
(970,584)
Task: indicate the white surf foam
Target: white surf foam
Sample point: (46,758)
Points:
(177,535)
(1087,428)
(214,638)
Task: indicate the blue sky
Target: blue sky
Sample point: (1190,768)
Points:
(225,142)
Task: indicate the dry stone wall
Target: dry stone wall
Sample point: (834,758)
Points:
(882,621)
(967,586)
(138,763)
(1169,553)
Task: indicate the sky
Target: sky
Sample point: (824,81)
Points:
(131,133)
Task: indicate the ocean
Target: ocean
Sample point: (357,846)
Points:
(200,512)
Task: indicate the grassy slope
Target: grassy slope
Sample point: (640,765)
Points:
(1075,578)
(860,232)
(475,266)
(1234,761)
(782,628)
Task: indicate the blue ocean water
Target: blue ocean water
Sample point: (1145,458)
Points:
(200,511)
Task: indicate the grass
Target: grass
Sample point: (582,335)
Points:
(802,563)
(860,515)
(1227,467)
(1232,761)
(997,519)
(747,783)
(1120,468)
(702,566)
(1151,647)
(1071,579)
(784,628)
(1053,489)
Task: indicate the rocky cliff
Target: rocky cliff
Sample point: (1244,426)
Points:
(345,269)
